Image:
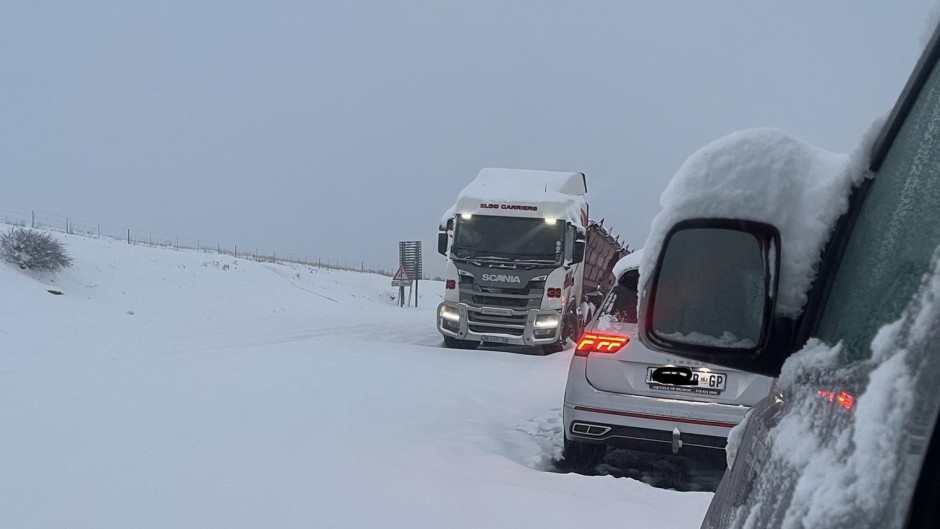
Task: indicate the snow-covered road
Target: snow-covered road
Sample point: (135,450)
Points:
(182,389)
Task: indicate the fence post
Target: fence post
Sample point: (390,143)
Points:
(32,223)
(177,243)
(128,235)
(99,230)
(235,253)
(151,239)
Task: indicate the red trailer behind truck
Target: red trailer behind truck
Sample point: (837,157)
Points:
(601,254)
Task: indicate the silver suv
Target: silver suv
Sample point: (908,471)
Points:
(619,392)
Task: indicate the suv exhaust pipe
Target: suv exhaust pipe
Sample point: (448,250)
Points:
(589,430)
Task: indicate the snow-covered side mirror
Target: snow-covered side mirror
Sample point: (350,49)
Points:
(712,291)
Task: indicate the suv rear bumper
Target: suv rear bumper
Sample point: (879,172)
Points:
(648,440)
(641,422)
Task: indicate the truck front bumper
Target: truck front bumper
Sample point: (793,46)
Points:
(498,325)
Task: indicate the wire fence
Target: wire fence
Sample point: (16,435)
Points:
(37,219)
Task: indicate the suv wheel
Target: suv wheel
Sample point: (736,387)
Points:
(582,457)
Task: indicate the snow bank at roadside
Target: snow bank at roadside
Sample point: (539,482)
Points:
(184,389)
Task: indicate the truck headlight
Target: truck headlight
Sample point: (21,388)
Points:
(546,321)
(449,313)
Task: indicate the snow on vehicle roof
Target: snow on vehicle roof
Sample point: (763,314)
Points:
(630,261)
(553,194)
(769,176)
(522,182)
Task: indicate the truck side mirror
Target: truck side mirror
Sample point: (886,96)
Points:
(578,254)
(442,243)
(443,236)
(711,295)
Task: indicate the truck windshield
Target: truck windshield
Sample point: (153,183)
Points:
(508,238)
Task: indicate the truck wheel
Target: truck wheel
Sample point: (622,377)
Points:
(454,343)
(573,326)
(572,331)
(553,348)
(582,457)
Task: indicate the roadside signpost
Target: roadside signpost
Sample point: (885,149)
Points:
(409,270)
(400,280)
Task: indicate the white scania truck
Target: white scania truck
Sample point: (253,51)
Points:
(517,244)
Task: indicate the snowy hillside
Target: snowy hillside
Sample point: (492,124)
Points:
(183,389)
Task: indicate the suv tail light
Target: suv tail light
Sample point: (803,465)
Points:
(843,399)
(600,343)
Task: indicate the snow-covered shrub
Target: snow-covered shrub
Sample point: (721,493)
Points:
(34,250)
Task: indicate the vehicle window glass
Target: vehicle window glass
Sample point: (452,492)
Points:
(569,243)
(711,288)
(888,253)
(896,232)
(856,409)
(622,301)
(482,236)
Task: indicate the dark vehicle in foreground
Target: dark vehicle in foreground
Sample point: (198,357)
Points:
(849,439)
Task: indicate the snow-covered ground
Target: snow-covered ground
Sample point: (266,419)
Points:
(184,389)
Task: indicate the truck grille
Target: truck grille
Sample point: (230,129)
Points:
(511,324)
(529,297)
(491,301)
(487,329)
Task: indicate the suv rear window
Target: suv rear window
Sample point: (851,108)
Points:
(622,301)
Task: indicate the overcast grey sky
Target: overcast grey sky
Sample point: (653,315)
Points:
(338,128)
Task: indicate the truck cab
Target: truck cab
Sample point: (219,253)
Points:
(515,245)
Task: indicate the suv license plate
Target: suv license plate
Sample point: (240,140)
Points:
(495,339)
(707,382)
